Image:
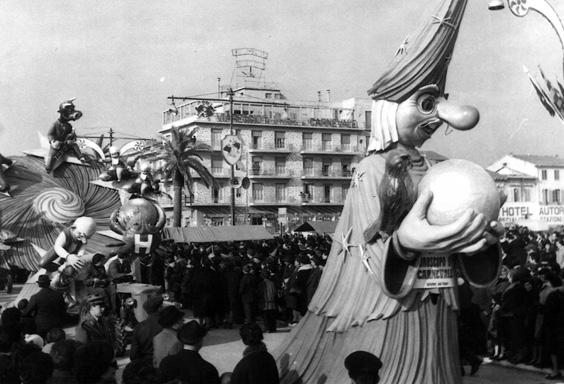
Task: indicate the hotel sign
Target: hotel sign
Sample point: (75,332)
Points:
(534,215)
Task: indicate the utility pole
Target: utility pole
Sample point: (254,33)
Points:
(111,136)
(230,93)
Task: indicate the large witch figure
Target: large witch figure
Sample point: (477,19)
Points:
(373,295)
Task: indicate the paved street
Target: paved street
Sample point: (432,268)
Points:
(223,348)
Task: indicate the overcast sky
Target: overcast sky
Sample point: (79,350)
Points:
(121,59)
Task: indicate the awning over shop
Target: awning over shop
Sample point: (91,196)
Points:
(216,234)
(321,227)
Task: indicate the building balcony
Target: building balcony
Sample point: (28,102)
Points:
(330,149)
(306,199)
(254,201)
(310,173)
(279,147)
(222,202)
(270,173)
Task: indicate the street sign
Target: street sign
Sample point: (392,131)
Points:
(231,147)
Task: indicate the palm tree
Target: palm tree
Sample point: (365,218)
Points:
(180,155)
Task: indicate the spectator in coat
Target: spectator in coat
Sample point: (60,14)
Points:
(119,269)
(47,307)
(187,365)
(52,337)
(299,287)
(95,325)
(267,300)
(8,373)
(36,368)
(94,363)
(554,324)
(166,342)
(62,354)
(248,292)
(203,288)
(140,372)
(97,280)
(257,365)
(27,323)
(143,333)
(232,277)
(512,313)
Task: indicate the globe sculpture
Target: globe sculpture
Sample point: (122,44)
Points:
(458,185)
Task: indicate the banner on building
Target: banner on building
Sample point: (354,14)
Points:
(536,216)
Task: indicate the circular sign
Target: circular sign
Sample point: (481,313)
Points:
(231,147)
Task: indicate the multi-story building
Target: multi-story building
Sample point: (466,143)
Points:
(534,188)
(298,156)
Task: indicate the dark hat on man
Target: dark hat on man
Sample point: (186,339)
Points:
(362,363)
(191,333)
(95,300)
(43,280)
(169,316)
(303,259)
(153,304)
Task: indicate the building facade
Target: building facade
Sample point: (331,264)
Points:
(297,157)
(534,187)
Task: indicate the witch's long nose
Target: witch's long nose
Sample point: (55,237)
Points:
(461,117)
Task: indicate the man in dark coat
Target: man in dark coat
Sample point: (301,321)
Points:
(257,365)
(47,307)
(143,333)
(512,313)
(187,365)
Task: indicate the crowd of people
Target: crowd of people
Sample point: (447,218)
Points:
(223,285)
(521,317)
(243,284)
(238,282)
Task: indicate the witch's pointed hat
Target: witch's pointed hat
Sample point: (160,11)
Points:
(424,59)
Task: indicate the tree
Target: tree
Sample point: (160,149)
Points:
(180,155)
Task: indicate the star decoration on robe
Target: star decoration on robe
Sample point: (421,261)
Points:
(345,242)
(402,50)
(443,21)
(357,178)
(365,257)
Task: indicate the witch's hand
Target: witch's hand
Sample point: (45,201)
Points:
(465,235)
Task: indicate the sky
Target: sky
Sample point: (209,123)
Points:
(121,59)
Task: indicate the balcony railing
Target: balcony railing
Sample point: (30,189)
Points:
(271,201)
(310,172)
(320,200)
(271,172)
(343,148)
(279,146)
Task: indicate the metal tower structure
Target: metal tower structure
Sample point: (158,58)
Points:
(250,64)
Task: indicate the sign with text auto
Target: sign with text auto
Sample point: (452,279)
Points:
(534,215)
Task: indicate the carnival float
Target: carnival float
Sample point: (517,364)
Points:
(386,289)
(66,201)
